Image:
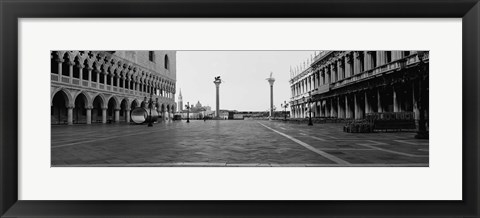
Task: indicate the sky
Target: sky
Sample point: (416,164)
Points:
(244,73)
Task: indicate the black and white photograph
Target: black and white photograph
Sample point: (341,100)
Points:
(239,108)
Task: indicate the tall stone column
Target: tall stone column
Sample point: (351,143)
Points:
(104,115)
(217,82)
(89,115)
(271,81)
(70,115)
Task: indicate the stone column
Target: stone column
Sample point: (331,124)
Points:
(357,106)
(80,75)
(367,60)
(70,115)
(117,115)
(395,103)
(347,109)
(60,69)
(367,104)
(356,63)
(327,76)
(127,115)
(339,70)
(105,80)
(333,73)
(380,58)
(111,81)
(379,102)
(333,108)
(416,111)
(271,80)
(347,65)
(339,109)
(396,55)
(89,77)
(98,78)
(104,115)
(70,70)
(217,85)
(89,114)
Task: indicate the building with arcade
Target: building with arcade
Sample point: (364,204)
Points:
(350,84)
(105,86)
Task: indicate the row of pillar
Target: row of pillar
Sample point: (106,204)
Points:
(137,86)
(350,106)
(349,64)
(166,115)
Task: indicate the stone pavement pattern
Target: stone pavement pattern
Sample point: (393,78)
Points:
(232,143)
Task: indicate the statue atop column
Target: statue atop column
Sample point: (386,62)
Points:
(217,82)
(271,80)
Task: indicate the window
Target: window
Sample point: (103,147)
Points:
(167,64)
(151,56)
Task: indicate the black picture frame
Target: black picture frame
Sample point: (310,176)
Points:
(12,10)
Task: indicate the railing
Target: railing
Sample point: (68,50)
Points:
(76,82)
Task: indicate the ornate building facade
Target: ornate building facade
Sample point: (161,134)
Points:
(351,84)
(104,86)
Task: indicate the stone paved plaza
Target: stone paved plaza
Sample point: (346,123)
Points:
(232,143)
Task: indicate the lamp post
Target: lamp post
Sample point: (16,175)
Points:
(422,129)
(309,100)
(285,105)
(187,106)
(150,104)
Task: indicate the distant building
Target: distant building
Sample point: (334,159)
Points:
(197,112)
(180,101)
(101,86)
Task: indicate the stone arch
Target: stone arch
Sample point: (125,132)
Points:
(134,104)
(88,98)
(112,108)
(116,100)
(98,104)
(102,98)
(80,108)
(66,93)
(59,104)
